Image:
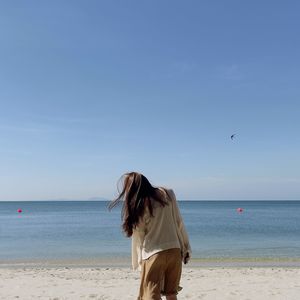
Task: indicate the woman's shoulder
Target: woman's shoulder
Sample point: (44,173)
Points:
(168,193)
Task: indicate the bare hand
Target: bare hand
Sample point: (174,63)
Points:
(186,258)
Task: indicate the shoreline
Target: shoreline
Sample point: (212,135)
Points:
(125,262)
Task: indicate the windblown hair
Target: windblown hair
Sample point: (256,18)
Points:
(137,194)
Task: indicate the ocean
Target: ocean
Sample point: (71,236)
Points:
(86,230)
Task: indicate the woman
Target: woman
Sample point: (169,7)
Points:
(152,219)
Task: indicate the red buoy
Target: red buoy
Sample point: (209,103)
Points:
(239,210)
(19,210)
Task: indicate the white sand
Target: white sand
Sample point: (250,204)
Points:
(122,283)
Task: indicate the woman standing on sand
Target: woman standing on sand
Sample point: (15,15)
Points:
(160,243)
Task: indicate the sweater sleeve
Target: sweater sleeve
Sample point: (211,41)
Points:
(181,231)
(137,240)
(136,248)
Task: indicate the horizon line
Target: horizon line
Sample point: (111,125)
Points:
(182,200)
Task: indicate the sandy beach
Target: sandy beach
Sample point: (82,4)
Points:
(122,283)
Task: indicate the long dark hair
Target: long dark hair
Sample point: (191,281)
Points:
(137,194)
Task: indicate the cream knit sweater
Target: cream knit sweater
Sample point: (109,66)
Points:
(165,230)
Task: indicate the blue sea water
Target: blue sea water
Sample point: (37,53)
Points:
(49,230)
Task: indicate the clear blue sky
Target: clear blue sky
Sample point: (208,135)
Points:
(92,89)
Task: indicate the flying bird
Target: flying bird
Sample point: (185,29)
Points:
(232,136)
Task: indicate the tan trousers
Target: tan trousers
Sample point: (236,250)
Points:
(161,275)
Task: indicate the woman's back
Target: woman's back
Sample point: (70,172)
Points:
(159,230)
